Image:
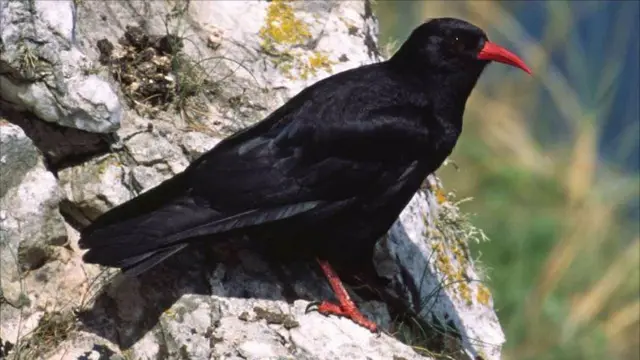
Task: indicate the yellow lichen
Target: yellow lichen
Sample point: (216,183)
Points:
(170,313)
(283,29)
(458,253)
(452,261)
(315,62)
(320,61)
(449,234)
(441,197)
(484,295)
(465,292)
(281,25)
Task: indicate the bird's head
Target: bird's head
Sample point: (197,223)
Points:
(449,45)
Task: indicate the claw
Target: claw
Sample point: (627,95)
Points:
(326,308)
(345,306)
(308,309)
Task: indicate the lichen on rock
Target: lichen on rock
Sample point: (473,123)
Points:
(287,40)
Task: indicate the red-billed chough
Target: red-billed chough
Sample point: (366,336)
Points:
(322,177)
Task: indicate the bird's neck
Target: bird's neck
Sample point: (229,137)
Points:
(443,82)
(453,92)
(456,88)
(447,98)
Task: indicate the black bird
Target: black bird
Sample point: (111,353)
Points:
(322,177)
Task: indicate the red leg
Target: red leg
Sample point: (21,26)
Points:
(346,307)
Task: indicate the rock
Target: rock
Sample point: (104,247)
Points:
(60,145)
(45,73)
(431,238)
(149,149)
(226,301)
(196,144)
(235,311)
(86,346)
(38,272)
(29,195)
(145,177)
(97,186)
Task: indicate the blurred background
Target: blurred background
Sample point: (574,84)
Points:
(551,162)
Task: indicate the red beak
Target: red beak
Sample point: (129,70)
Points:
(493,52)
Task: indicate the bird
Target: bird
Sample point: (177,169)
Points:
(322,177)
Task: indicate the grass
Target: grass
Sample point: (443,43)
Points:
(564,256)
(58,321)
(52,329)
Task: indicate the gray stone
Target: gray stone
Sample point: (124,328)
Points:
(32,235)
(96,186)
(44,72)
(30,222)
(150,149)
(426,244)
(145,177)
(196,144)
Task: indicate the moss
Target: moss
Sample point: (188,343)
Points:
(283,36)
(184,353)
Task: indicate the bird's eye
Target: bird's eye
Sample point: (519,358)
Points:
(458,44)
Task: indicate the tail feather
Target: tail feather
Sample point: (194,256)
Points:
(146,202)
(129,235)
(137,265)
(121,244)
(143,232)
(154,230)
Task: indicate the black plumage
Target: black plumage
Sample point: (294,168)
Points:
(326,174)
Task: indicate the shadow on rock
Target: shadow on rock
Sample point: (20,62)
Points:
(128,308)
(61,146)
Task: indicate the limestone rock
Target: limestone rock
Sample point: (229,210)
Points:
(42,70)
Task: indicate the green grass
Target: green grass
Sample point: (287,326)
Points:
(564,255)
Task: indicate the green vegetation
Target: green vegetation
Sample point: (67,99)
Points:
(563,260)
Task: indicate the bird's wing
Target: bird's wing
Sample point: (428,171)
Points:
(327,148)
(325,151)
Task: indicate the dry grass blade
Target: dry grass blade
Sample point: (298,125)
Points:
(623,319)
(587,307)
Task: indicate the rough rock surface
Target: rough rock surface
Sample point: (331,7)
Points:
(30,222)
(43,72)
(33,237)
(242,60)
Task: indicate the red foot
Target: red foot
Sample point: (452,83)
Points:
(346,308)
